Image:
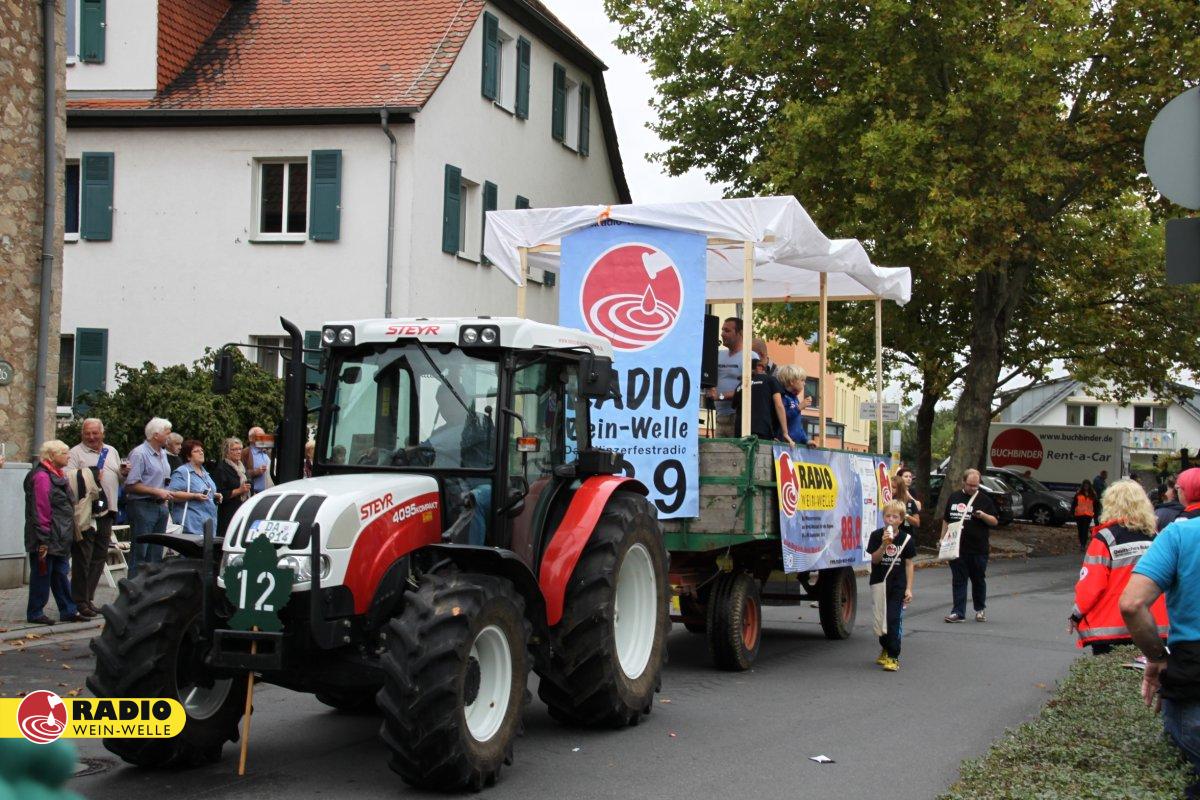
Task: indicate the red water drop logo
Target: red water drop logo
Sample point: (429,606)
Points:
(631,295)
(789,486)
(42,717)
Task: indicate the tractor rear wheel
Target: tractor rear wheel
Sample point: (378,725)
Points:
(608,648)
(838,602)
(151,646)
(734,621)
(455,671)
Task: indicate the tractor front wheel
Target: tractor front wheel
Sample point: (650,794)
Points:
(608,648)
(152,646)
(455,671)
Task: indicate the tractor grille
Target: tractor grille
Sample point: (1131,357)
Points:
(290,506)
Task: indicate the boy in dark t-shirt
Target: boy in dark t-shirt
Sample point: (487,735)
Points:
(892,552)
(767,417)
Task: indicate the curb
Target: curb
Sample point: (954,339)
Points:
(47,631)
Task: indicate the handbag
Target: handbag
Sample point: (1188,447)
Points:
(879,594)
(177,527)
(949,545)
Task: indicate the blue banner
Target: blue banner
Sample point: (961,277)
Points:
(643,289)
(828,504)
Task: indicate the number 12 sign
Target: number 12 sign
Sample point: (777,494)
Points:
(258,587)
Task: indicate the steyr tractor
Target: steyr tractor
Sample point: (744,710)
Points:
(459,530)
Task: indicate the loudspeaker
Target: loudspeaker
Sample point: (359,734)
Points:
(708,353)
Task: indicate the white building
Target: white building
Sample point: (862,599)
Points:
(1156,425)
(229,162)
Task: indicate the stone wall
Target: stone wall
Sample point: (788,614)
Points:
(21,210)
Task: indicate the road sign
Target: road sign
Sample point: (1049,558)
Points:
(6,373)
(1183,251)
(891,411)
(258,587)
(1173,150)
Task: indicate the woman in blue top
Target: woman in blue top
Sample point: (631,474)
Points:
(794,401)
(200,492)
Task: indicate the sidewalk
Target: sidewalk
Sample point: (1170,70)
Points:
(12,614)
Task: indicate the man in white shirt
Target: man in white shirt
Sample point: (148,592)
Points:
(729,377)
(89,554)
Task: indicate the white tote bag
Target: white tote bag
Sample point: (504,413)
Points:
(879,594)
(949,545)
(177,527)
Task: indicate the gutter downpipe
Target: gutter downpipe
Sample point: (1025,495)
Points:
(49,212)
(391,226)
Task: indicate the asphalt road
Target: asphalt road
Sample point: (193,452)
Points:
(712,734)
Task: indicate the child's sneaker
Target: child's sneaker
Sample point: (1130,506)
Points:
(882,658)
(891,664)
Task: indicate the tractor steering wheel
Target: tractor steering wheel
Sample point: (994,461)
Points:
(418,455)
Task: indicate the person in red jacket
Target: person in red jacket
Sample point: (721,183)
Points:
(1117,544)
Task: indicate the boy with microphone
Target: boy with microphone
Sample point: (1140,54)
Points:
(891,588)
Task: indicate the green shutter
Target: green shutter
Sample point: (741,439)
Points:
(523,50)
(491,56)
(558,117)
(91,364)
(96,176)
(489,204)
(325,195)
(585,118)
(522,202)
(451,209)
(91,30)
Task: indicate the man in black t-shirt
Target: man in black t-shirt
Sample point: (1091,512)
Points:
(972,505)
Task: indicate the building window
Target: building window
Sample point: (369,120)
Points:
(506,76)
(267,355)
(71,203)
(1083,415)
(571,133)
(66,369)
(282,195)
(812,390)
(1150,417)
(72,37)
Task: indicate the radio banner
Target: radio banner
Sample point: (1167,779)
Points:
(642,288)
(823,498)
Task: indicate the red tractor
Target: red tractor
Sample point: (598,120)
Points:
(458,531)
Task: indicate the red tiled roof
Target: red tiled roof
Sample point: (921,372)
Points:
(319,54)
(183,26)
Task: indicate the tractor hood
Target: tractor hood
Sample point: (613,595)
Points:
(358,516)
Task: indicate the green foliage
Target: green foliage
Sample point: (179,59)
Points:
(184,395)
(995,148)
(1095,739)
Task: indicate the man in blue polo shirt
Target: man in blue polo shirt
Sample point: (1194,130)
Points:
(1172,678)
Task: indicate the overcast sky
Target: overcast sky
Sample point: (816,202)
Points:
(629,91)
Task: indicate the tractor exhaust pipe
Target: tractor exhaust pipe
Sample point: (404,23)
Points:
(293,431)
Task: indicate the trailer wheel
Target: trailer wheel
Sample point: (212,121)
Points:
(734,621)
(455,670)
(608,649)
(151,646)
(838,601)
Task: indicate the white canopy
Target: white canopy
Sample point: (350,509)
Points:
(789,249)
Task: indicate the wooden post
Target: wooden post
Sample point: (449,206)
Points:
(246,714)
(524,253)
(823,335)
(747,330)
(879,375)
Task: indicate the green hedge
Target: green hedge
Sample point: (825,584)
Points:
(1094,739)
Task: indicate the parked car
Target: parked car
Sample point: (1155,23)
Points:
(1043,506)
(1007,499)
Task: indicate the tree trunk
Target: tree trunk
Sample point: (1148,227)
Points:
(925,415)
(997,292)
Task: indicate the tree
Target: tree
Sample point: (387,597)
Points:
(184,395)
(994,147)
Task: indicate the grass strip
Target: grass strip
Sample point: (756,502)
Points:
(1093,739)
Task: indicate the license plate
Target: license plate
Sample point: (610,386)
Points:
(273,530)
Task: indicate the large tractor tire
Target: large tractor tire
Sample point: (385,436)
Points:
(455,672)
(734,621)
(151,647)
(608,648)
(838,602)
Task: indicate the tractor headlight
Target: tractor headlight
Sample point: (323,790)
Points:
(302,567)
(488,336)
(470,336)
(231,560)
(345,336)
